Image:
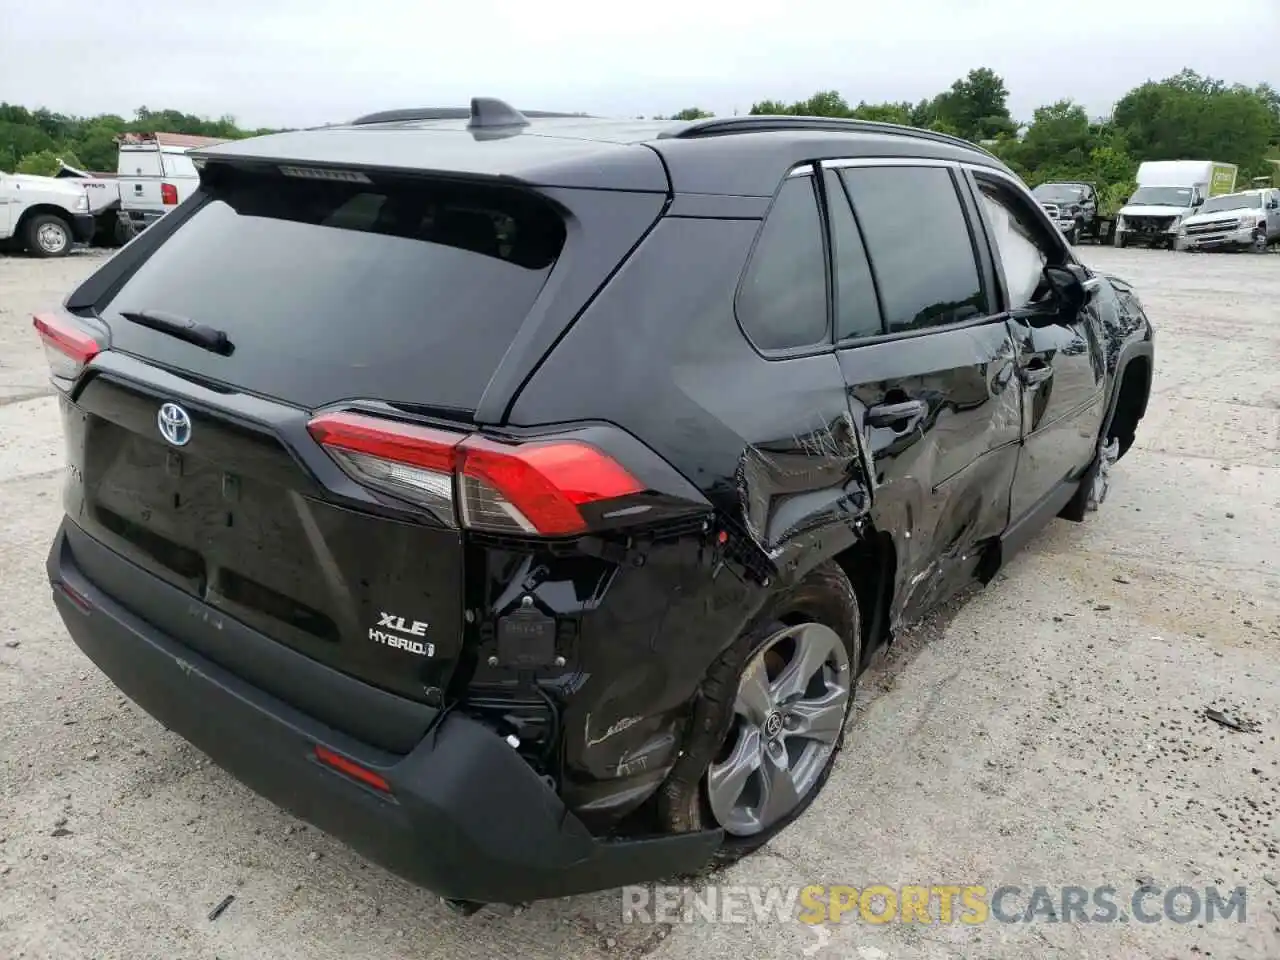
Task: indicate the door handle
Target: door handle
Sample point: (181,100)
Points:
(890,414)
(1038,372)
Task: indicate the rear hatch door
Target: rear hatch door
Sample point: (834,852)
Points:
(389,293)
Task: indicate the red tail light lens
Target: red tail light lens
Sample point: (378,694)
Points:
(537,487)
(533,488)
(68,347)
(168,194)
(409,461)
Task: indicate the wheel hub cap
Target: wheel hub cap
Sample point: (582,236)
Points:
(790,709)
(773,725)
(51,238)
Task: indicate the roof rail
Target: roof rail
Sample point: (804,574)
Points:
(483,112)
(764,123)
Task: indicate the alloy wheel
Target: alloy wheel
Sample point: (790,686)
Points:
(789,711)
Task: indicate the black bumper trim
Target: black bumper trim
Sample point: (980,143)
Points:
(83,225)
(468,818)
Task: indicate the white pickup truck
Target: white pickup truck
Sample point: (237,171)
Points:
(103,192)
(42,215)
(155,175)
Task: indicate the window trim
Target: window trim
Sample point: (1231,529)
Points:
(983,265)
(825,344)
(832,175)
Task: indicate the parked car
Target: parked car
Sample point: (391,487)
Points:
(518,497)
(1168,192)
(155,175)
(1249,219)
(1073,206)
(42,215)
(103,191)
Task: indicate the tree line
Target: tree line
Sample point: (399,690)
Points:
(33,141)
(1186,116)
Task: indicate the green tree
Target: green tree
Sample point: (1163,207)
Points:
(19,139)
(1058,134)
(1189,116)
(98,148)
(43,164)
(976,107)
(692,113)
(884,112)
(824,103)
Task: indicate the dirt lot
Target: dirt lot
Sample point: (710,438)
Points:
(1048,731)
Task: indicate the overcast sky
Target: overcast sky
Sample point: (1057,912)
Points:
(301,62)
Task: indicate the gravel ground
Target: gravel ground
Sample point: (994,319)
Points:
(1049,730)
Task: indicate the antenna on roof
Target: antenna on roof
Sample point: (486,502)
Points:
(488,112)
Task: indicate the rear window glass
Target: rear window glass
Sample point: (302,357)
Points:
(139,163)
(179,165)
(400,290)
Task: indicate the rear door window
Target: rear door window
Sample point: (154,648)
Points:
(782,304)
(395,289)
(919,244)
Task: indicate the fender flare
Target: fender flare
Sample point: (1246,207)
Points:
(1130,351)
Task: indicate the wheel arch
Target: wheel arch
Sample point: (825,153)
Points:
(871,564)
(1130,393)
(36,210)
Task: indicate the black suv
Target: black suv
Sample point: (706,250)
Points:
(518,496)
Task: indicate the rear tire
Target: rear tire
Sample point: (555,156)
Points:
(47,235)
(1260,244)
(1120,240)
(718,731)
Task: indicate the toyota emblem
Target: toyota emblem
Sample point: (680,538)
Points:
(175,424)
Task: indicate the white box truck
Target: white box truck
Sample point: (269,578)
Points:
(1168,191)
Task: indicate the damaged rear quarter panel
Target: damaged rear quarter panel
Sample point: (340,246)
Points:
(769,442)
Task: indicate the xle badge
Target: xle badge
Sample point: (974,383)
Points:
(393,631)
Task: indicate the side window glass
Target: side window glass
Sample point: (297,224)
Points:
(1020,252)
(783,300)
(919,245)
(857,307)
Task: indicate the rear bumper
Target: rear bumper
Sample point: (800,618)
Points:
(83,226)
(466,817)
(141,219)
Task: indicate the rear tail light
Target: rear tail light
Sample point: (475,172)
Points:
(67,346)
(168,194)
(535,488)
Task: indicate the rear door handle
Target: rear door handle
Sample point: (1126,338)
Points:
(893,414)
(1037,372)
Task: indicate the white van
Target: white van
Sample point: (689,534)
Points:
(155,175)
(1169,191)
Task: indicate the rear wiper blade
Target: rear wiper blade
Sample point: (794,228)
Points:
(184,328)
